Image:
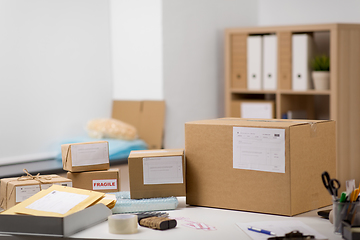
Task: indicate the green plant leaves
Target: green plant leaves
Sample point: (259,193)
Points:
(321,63)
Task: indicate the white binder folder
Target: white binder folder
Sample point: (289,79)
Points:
(270,62)
(254,62)
(301,56)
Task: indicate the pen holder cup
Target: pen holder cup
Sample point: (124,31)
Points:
(345,211)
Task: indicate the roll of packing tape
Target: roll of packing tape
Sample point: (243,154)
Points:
(123,223)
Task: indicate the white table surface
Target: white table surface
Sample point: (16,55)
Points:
(223,220)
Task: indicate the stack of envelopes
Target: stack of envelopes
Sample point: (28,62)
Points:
(60,201)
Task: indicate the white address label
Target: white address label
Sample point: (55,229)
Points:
(24,192)
(163,170)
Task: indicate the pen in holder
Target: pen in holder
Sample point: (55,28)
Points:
(345,211)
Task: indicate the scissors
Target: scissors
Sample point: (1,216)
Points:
(332,185)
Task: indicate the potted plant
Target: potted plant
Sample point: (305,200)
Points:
(321,72)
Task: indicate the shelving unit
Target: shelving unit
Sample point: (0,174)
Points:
(341,103)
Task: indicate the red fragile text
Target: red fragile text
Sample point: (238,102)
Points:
(104,184)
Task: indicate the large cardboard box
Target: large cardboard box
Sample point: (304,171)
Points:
(16,190)
(101,181)
(267,166)
(147,116)
(157,173)
(86,156)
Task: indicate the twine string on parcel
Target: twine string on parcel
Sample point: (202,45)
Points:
(37,177)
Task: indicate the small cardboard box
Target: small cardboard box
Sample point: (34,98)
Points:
(267,166)
(20,224)
(157,173)
(253,108)
(87,156)
(16,190)
(101,181)
(147,116)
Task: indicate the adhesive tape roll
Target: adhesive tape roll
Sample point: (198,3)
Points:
(123,223)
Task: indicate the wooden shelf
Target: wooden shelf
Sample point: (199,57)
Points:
(289,92)
(340,103)
(239,90)
(308,92)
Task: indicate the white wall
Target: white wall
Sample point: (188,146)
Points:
(54,73)
(193,37)
(285,12)
(56,64)
(136,37)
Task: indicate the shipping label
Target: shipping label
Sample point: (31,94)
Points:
(24,192)
(163,170)
(89,154)
(260,149)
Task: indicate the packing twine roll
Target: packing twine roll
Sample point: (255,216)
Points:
(123,223)
(160,223)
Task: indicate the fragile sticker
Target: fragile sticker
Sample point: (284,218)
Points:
(105,184)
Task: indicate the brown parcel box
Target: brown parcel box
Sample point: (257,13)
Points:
(101,181)
(15,190)
(157,173)
(288,185)
(147,116)
(87,156)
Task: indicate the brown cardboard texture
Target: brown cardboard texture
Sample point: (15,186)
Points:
(216,173)
(236,106)
(147,116)
(101,181)
(157,173)
(16,190)
(86,156)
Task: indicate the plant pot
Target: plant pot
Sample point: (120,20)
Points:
(321,80)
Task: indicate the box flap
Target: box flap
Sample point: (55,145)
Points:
(255,122)
(156,153)
(147,116)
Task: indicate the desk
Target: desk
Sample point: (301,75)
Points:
(223,220)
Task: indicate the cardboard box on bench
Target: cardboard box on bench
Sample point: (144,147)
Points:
(86,156)
(15,190)
(157,173)
(101,181)
(147,117)
(221,153)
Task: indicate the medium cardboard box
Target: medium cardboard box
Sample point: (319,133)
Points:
(87,156)
(16,190)
(101,181)
(157,173)
(147,116)
(267,166)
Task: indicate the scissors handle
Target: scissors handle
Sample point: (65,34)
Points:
(332,185)
(335,185)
